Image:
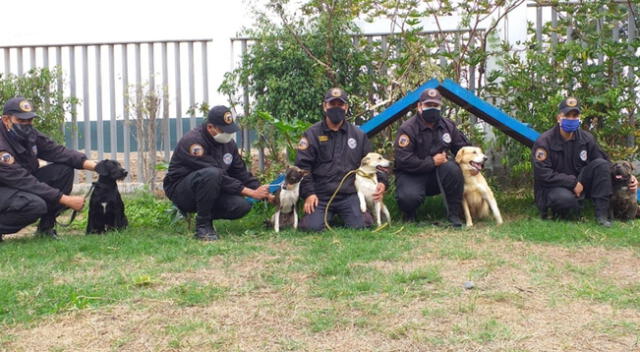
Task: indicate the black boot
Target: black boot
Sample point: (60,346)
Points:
(46,228)
(455,220)
(204,230)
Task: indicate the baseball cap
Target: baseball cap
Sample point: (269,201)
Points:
(220,116)
(20,108)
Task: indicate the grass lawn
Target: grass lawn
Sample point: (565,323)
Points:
(538,286)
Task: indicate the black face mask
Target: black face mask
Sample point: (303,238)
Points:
(336,115)
(431,115)
(23,133)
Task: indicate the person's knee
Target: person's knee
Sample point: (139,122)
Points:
(563,201)
(311,224)
(408,199)
(209,176)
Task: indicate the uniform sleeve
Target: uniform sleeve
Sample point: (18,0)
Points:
(305,160)
(366,149)
(406,157)
(458,141)
(545,174)
(195,162)
(53,152)
(238,170)
(15,176)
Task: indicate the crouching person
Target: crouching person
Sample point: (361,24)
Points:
(29,192)
(207,175)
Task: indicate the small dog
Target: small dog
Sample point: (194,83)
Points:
(286,199)
(477,198)
(106,209)
(623,202)
(366,184)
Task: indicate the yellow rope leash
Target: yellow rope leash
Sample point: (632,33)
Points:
(326,209)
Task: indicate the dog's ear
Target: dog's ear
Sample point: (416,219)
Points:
(459,155)
(102,169)
(629,165)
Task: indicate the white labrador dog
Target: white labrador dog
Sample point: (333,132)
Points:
(477,198)
(366,184)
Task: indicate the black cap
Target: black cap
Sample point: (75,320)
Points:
(431,95)
(20,108)
(220,116)
(569,104)
(336,93)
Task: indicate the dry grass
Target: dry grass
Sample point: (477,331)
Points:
(524,300)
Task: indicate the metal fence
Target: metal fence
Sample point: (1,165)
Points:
(102,75)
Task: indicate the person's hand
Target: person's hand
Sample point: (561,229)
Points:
(310,204)
(379,193)
(440,158)
(261,192)
(89,165)
(633,184)
(74,202)
(578,189)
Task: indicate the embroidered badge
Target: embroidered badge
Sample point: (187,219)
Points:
(196,150)
(352,143)
(403,140)
(303,144)
(228,118)
(227,158)
(541,154)
(7,158)
(323,138)
(446,138)
(583,155)
(25,106)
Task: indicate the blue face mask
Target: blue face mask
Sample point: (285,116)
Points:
(569,125)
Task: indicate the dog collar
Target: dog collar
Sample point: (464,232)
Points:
(364,174)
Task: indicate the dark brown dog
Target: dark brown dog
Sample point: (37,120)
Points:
(624,203)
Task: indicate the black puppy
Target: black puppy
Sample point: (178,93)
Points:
(106,209)
(624,202)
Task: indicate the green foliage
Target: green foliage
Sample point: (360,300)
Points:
(40,86)
(592,65)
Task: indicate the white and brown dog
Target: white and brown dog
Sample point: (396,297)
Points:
(366,184)
(477,198)
(286,199)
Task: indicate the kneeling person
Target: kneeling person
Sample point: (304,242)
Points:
(329,150)
(207,175)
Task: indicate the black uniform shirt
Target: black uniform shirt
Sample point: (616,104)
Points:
(416,144)
(197,150)
(18,162)
(329,155)
(557,162)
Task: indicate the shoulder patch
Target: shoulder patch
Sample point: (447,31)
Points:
(303,144)
(403,140)
(541,154)
(6,158)
(196,150)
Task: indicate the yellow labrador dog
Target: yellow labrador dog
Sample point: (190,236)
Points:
(366,184)
(478,197)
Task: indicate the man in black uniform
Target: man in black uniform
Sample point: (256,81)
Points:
(329,150)
(568,165)
(27,191)
(422,165)
(207,175)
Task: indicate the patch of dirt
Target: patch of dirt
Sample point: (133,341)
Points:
(522,300)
